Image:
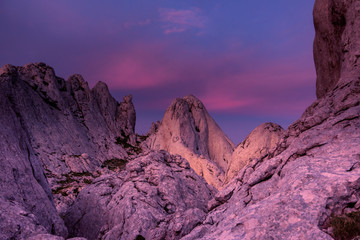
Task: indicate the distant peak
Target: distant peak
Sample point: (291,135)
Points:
(101,86)
(127,99)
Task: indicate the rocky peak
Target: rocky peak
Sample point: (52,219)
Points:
(257,145)
(72,130)
(120,117)
(188,129)
(310,187)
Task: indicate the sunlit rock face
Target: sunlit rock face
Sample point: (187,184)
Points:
(156,196)
(71,129)
(257,145)
(188,130)
(314,173)
(337,43)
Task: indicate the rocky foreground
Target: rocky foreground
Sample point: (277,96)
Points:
(73,167)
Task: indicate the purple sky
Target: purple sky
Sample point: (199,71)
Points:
(249,61)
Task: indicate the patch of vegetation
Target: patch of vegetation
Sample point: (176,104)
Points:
(87,181)
(123,140)
(347,226)
(76,191)
(115,163)
(60,190)
(68,179)
(81,174)
(139,237)
(143,137)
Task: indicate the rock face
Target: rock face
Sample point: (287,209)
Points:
(67,128)
(157,196)
(315,173)
(26,202)
(257,145)
(337,42)
(188,130)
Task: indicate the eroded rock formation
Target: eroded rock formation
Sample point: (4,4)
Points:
(54,133)
(257,145)
(293,195)
(59,136)
(314,172)
(188,130)
(157,196)
(337,42)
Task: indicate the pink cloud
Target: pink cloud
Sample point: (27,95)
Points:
(139,66)
(181,20)
(216,101)
(225,82)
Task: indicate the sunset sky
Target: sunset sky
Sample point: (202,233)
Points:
(248,61)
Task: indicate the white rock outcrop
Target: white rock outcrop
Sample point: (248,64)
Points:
(156,196)
(187,129)
(257,145)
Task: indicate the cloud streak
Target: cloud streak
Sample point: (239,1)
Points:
(177,21)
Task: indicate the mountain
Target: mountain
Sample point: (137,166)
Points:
(55,137)
(72,165)
(310,189)
(187,129)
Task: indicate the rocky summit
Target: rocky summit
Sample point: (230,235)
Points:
(72,166)
(187,129)
(257,145)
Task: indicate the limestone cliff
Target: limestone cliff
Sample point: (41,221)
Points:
(337,42)
(56,135)
(311,185)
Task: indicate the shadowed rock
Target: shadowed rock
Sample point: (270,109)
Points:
(157,196)
(67,128)
(337,42)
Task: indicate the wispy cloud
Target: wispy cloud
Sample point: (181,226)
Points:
(136,24)
(176,21)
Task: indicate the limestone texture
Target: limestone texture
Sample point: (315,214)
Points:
(157,196)
(187,129)
(337,42)
(55,137)
(71,151)
(257,145)
(313,175)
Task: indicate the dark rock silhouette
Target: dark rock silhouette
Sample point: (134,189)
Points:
(337,43)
